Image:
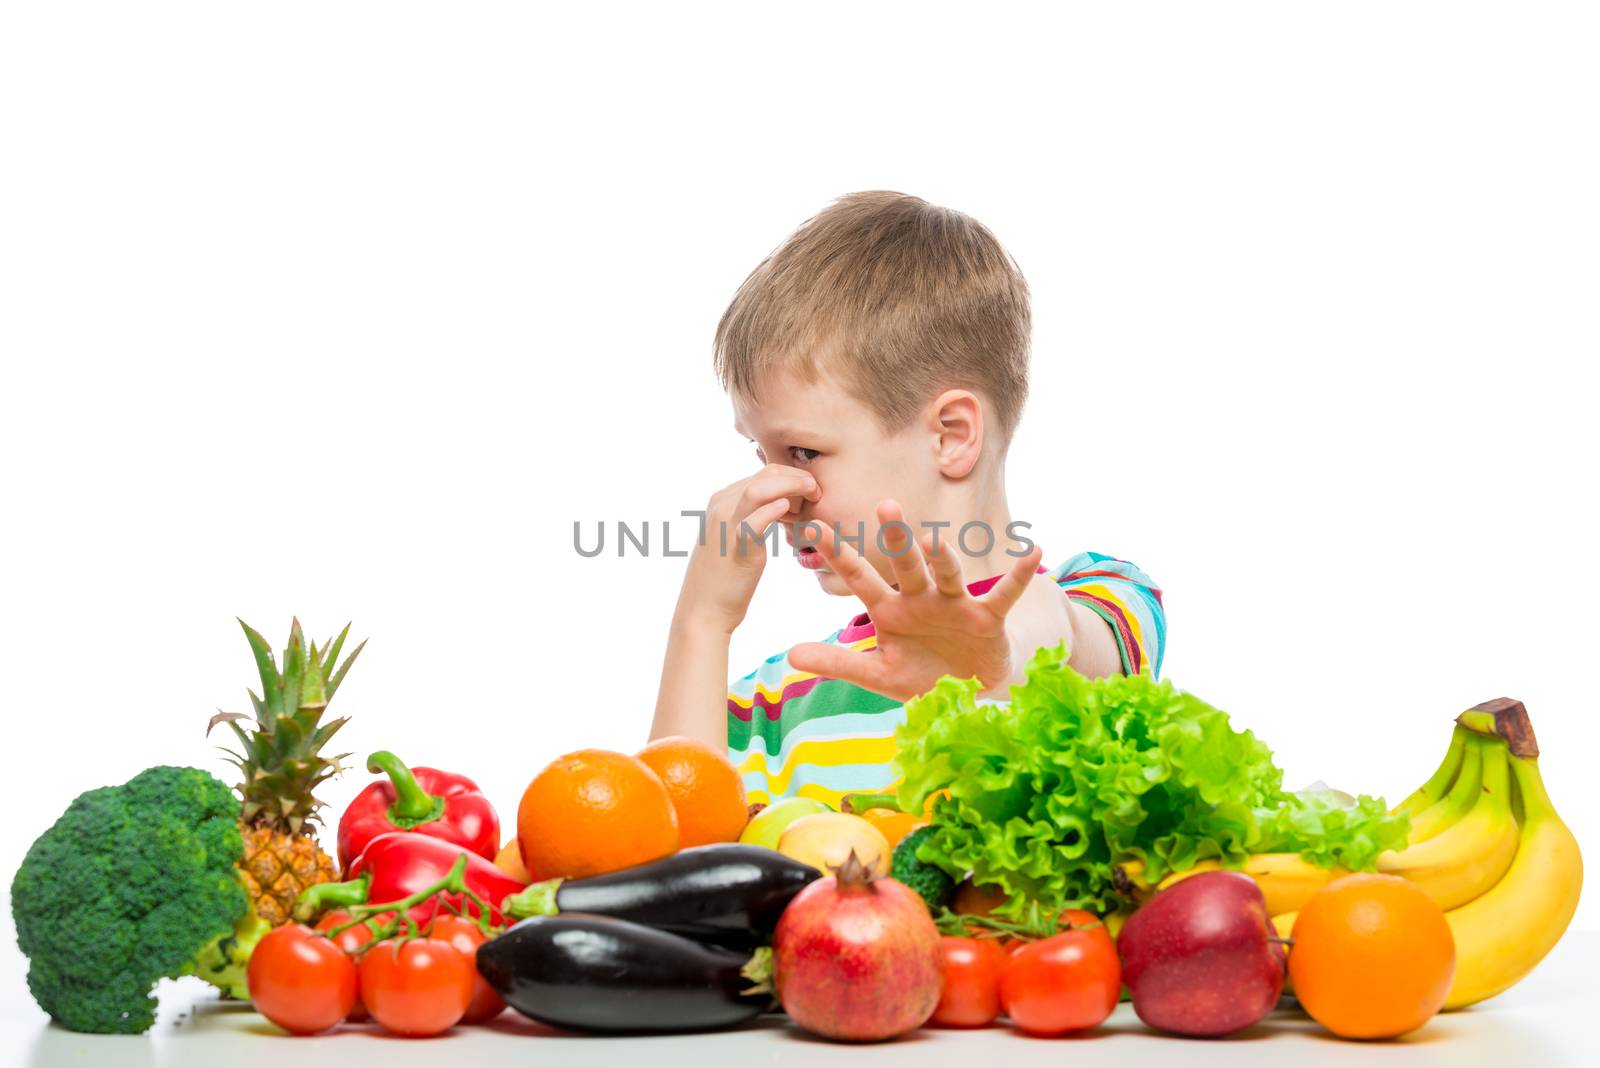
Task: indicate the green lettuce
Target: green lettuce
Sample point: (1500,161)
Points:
(1049,793)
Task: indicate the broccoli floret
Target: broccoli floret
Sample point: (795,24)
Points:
(134,883)
(932,884)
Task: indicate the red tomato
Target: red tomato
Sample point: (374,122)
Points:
(418,987)
(350,941)
(972,969)
(301,981)
(467,936)
(1067,982)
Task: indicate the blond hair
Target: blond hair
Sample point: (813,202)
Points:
(903,297)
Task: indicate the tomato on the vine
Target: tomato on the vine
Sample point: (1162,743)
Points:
(300,980)
(421,986)
(1092,926)
(350,940)
(972,970)
(467,936)
(1067,982)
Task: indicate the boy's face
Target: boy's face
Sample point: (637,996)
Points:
(820,428)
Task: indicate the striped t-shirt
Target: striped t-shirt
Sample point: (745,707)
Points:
(795,734)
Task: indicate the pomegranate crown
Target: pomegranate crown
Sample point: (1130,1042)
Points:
(854,871)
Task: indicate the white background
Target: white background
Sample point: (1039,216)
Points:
(351,312)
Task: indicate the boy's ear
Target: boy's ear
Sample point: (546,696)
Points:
(956,419)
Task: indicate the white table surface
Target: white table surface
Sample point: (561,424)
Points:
(1551,1018)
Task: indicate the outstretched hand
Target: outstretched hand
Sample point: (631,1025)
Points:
(930,626)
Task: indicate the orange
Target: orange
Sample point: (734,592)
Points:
(706,791)
(1372,956)
(974,900)
(509,860)
(594,811)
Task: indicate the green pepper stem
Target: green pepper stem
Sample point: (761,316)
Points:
(859,803)
(412,804)
(535,899)
(324,896)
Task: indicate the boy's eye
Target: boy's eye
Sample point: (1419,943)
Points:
(800,455)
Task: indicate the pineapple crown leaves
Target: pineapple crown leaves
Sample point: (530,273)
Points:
(308,678)
(281,758)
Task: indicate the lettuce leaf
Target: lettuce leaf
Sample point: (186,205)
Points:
(1048,793)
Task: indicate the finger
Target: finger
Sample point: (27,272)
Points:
(792,492)
(777,481)
(757,523)
(771,481)
(946,568)
(763,517)
(836,662)
(863,580)
(905,555)
(1013,584)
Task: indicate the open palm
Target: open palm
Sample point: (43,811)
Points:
(930,626)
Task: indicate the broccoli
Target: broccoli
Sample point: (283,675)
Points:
(134,883)
(932,884)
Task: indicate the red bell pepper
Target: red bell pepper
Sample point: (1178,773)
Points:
(401,864)
(422,800)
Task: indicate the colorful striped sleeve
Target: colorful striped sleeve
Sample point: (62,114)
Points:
(1127,599)
(796,734)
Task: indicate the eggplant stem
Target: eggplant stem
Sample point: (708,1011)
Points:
(758,969)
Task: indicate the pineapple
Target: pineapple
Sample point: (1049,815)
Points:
(282,765)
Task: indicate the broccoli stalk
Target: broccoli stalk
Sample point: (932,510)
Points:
(134,883)
(225,962)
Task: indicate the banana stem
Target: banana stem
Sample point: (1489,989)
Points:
(1505,718)
(1127,877)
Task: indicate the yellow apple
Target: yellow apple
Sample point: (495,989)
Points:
(826,839)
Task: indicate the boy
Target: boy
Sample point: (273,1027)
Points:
(878,361)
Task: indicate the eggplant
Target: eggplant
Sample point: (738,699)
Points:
(738,938)
(582,972)
(726,894)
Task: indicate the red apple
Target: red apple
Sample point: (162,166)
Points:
(1199,957)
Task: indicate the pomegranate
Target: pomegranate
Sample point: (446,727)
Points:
(857,957)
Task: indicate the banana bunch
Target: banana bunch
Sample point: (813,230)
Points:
(1485,843)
